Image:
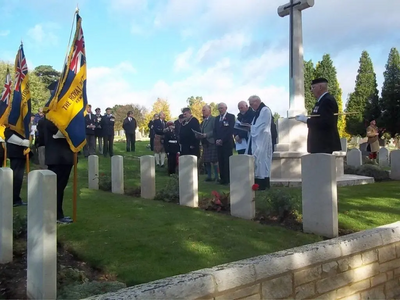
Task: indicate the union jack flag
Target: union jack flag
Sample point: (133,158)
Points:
(78,56)
(5,98)
(21,69)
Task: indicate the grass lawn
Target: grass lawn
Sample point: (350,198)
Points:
(142,240)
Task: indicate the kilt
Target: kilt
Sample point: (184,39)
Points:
(210,153)
(158,145)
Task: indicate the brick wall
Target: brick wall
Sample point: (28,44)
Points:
(364,265)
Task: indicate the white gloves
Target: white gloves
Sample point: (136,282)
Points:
(18,141)
(25,143)
(301,118)
(58,135)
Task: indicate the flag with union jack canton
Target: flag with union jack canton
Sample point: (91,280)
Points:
(67,106)
(19,116)
(5,98)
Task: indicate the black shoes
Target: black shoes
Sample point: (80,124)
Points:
(65,220)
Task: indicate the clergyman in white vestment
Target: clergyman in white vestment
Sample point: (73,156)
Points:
(260,142)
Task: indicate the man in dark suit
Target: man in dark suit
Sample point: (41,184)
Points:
(59,158)
(129,126)
(107,123)
(190,145)
(223,134)
(98,131)
(90,119)
(16,145)
(323,135)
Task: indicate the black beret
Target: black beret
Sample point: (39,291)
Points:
(319,80)
(108,108)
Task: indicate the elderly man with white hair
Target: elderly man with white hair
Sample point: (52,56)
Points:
(260,142)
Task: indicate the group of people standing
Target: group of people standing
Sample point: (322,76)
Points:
(215,137)
(100,132)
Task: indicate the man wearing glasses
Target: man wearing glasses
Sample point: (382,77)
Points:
(323,135)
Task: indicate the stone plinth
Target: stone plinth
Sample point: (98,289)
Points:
(354,158)
(241,193)
(383,157)
(292,135)
(147,177)
(6,215)
(395,165)
(319,195)
(42,235)
(93,172)
(117,174)
(288,164)
(188,181)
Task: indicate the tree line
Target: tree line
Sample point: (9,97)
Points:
(364,100)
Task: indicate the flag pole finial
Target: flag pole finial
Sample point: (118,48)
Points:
(77,8)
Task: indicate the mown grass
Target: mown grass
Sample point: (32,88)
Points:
(142,240)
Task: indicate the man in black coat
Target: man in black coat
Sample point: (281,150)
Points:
(107,123)
(129,126)
(152,132)
(16,145)
(90,120)
(245,115)
(190,145)
(98,131)
(60,159)
(323,135)
(223,134)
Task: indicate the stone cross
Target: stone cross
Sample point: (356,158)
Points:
(296,63)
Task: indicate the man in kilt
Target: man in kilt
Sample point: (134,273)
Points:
(209,156)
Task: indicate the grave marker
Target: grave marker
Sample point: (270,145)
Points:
(93,176)
(188,181)
(6,215)
(117,174)
(147,177)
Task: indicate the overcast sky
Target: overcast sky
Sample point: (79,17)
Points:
(223,50)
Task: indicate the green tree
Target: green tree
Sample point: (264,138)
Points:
(326,69)
(196,105)
(365,89)
(120,113)
(47,74)
(390,97)
(214,109)
(309,75)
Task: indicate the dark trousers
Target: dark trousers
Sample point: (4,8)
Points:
(172,163)
(186,149)
(224,152)
(62,172)
(18,167)
(90,147)
(152,143)
(130,142)
(108,147)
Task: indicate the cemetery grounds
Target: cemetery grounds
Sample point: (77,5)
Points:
(123,240)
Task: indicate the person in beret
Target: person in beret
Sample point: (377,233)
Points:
(98,131)
(107,124)
(323,135)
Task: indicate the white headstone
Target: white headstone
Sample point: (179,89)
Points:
(188,181)
(117,174)
(354,158)
(395,164)
(319,194)
(42,235)
(116,133)
(6,215)
(383,157)
(343,142)
(147,177)
(93,178)
(242,180)
(121,133)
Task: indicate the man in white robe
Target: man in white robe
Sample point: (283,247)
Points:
(260,142)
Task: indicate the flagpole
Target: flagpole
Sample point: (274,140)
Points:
(74,188)
(335,114)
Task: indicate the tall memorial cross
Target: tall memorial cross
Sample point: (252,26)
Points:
(296,64)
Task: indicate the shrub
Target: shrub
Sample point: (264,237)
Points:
(218,202)
(278,203)
(349,169)
(373,171)
(169,193)
(134,191)
(87,289)
(19,225)
(105,182)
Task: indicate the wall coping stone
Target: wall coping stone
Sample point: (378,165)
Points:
(224,277)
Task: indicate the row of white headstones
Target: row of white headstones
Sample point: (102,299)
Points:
(385,158)
(319,203)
